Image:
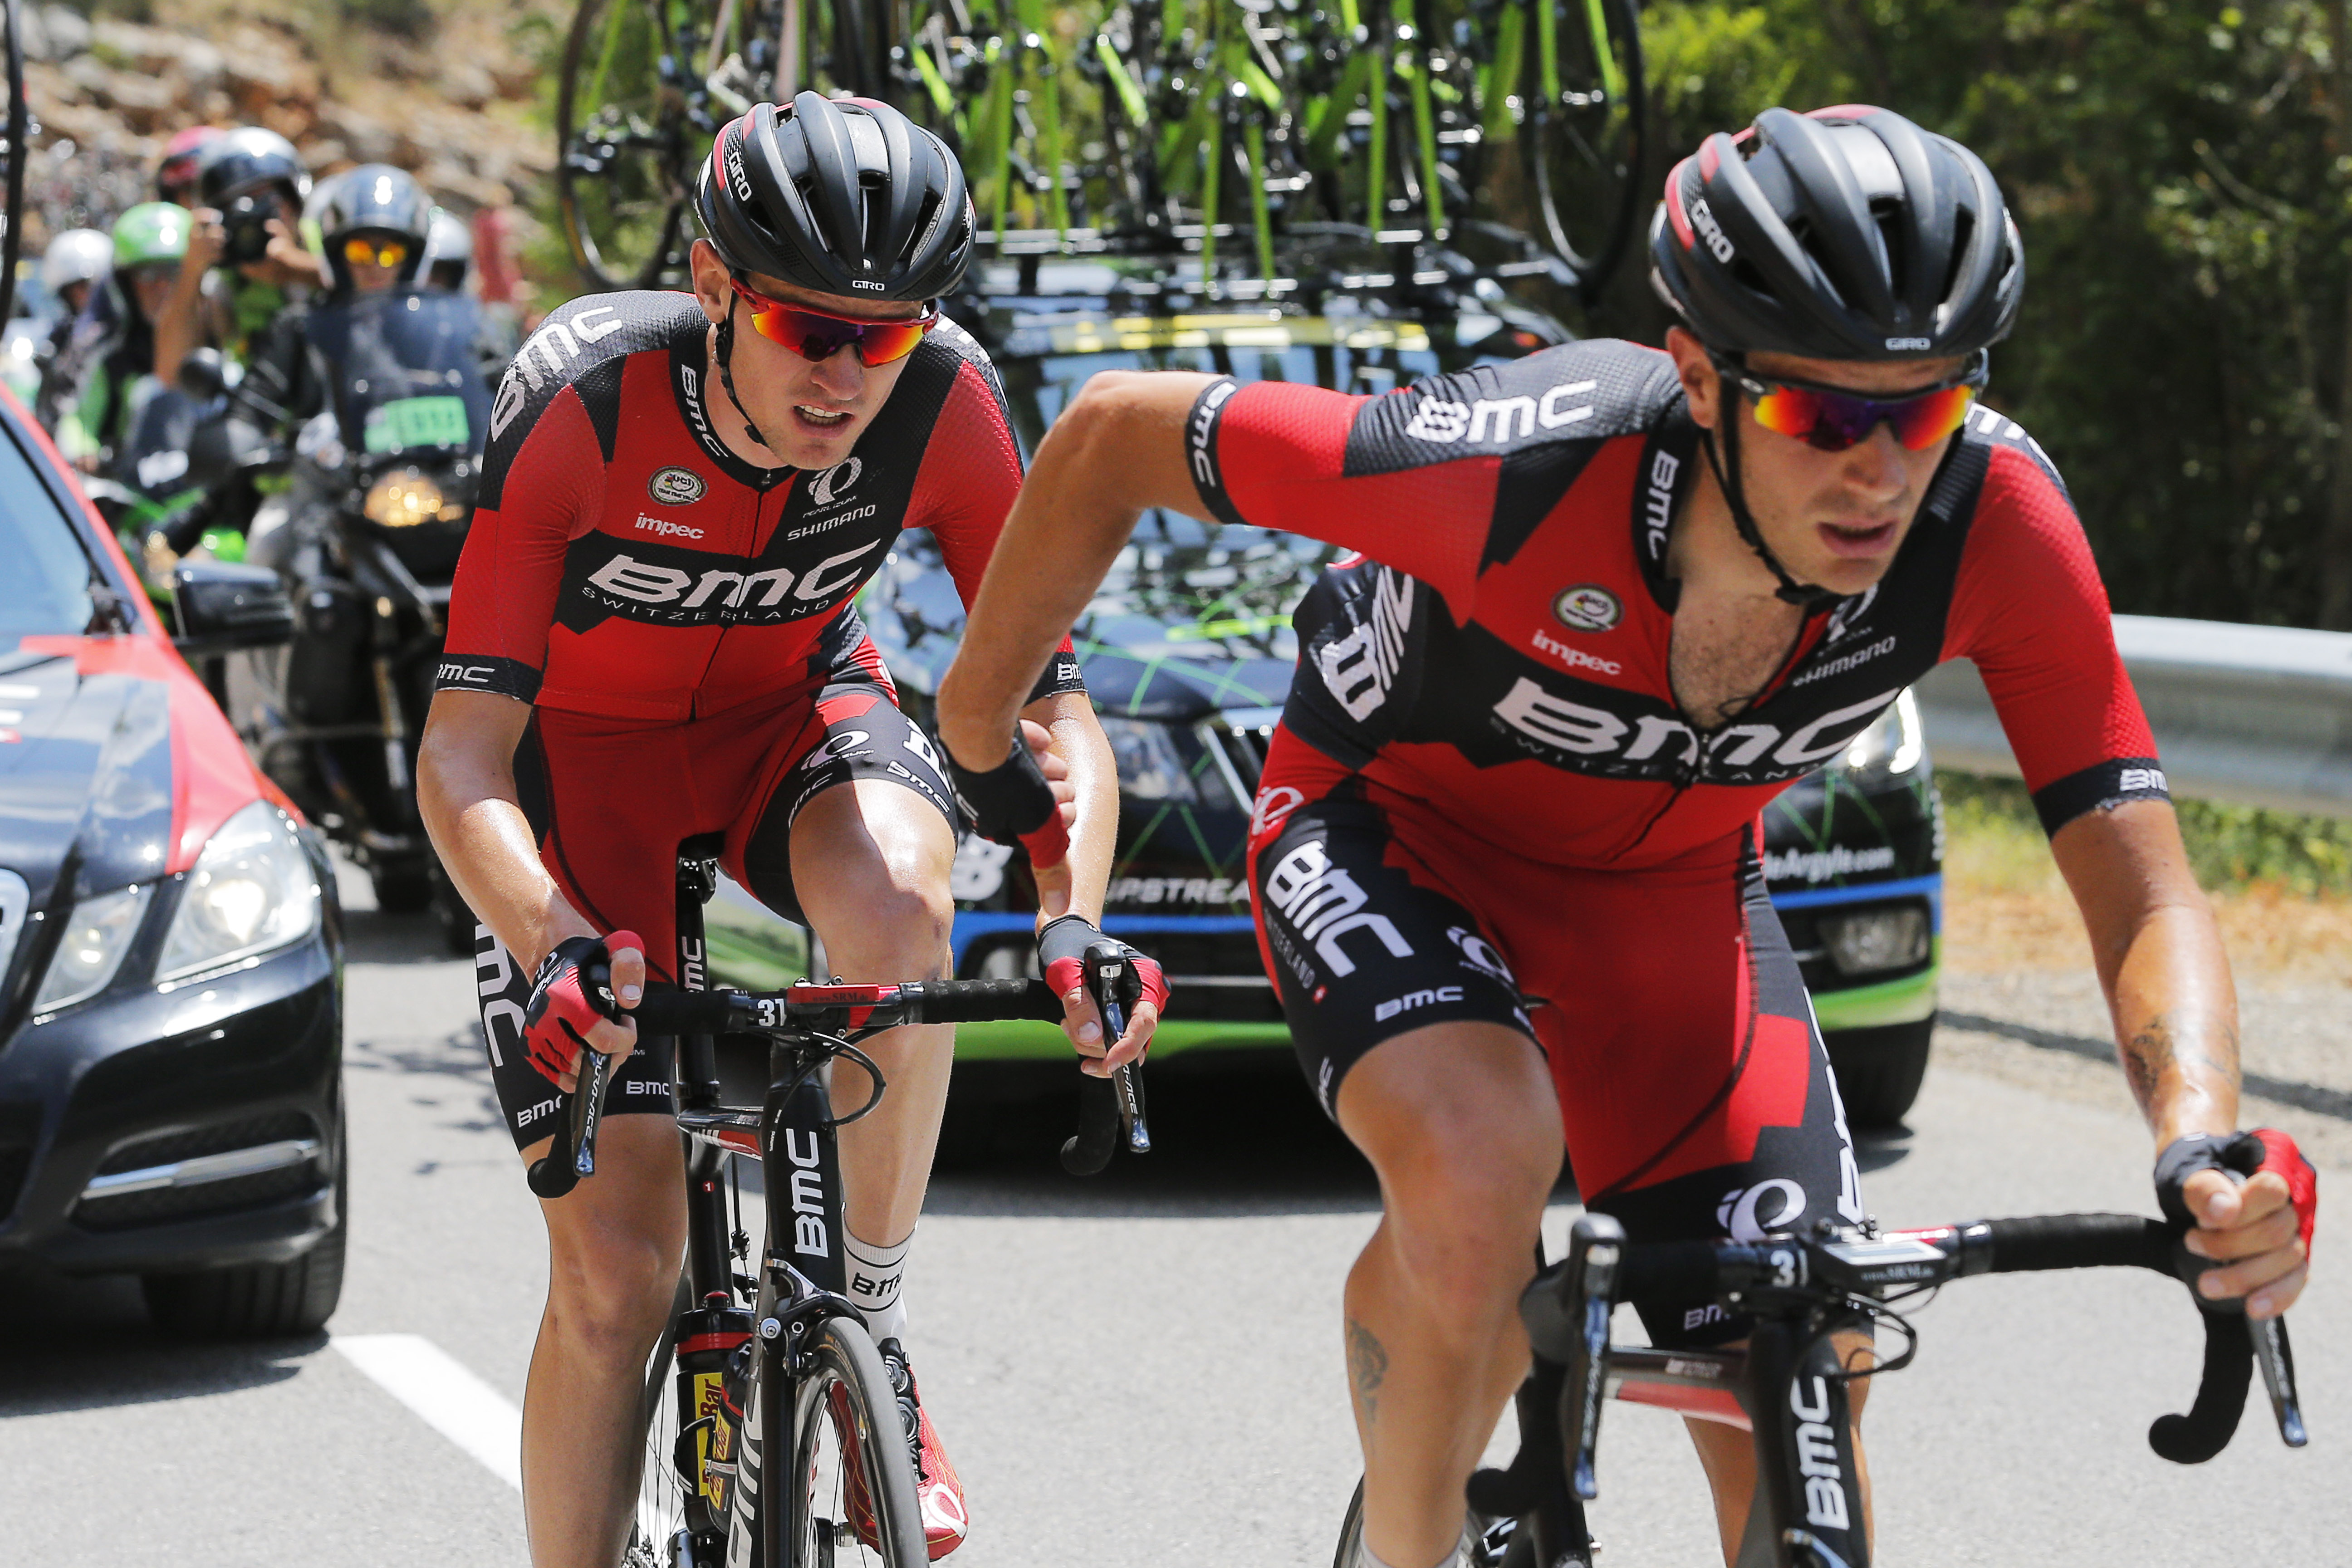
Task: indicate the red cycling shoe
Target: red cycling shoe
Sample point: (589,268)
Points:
(938,1492)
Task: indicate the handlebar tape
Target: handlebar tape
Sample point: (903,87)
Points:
(2046,1242)
(1667,1271)
(932,1002)
(2212,1420)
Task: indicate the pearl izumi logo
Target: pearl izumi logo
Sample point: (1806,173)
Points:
(836,482)
(676,487)
(1588,607)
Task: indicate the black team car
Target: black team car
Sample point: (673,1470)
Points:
(1188,653)
(171,951)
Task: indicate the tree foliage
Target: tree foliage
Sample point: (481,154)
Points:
(2179,173)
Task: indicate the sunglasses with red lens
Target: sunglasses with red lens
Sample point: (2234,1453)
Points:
(1832,420)
(815,335)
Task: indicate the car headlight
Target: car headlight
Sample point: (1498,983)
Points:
(1149,766)
(404,497)
(252,891)
(97,936)
(1893,744)
(1874,941)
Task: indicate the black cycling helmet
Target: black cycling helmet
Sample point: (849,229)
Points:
(241,162)
(841,195)
(376,198)
(1845,234)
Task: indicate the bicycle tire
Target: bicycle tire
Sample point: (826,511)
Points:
(844,1409)
(1618,168)
(19,132)
(1351,1530)
(591,182)
(662,1488)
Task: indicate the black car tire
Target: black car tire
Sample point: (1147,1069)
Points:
(260,1301)
(403,887)
(1879,1070)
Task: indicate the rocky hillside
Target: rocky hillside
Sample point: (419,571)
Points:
(449,90)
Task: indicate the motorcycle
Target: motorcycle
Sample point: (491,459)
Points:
(382,493)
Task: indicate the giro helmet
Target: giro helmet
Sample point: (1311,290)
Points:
(844,196)
(374,198)
(76,255)
(1845,234)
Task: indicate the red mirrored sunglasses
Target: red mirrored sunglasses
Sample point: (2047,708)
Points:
(814,334)
(1832,420)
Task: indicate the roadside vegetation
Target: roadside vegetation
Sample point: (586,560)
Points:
(2281,884)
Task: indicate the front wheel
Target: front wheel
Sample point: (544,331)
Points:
(853,1462)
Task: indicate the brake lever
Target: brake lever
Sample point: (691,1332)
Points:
(1596,1249)
(2276,1357)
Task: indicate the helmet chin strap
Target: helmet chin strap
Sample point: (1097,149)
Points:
(1806,595)
(726,347)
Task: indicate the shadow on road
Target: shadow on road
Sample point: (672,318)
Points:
(371,936)
(87,1344)
(1232,1134)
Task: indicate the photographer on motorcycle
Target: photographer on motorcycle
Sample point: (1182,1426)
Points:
(251,185)
(73,267)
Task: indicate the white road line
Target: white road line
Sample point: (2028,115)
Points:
(452,1401)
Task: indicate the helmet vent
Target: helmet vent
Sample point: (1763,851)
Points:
(1964,228)
(920,230)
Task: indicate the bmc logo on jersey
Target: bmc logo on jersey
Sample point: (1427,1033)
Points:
(545,358)
(836,481)
(1446,422)
(676,487)
(717,590)
(1739,753)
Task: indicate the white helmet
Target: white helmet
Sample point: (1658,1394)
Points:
(449,242)
(76,255)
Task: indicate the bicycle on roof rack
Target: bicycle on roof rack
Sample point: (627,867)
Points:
(1185,127)
(1786,1386)
(772,1434)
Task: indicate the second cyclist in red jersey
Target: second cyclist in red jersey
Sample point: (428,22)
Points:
(652,641)
(1607,602)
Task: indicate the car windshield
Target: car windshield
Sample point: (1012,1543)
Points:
(45,588)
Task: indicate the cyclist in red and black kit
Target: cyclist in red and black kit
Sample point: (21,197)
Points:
(1607,602)
(652,640)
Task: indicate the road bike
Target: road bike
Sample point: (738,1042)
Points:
(1786,1386)
(773,1435)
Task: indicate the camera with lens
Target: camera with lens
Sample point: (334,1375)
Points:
(245,224)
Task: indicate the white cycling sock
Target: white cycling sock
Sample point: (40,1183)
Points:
(876,1274)
(1366,1559)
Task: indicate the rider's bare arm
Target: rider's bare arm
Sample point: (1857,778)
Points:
(466,793)
(1118,448)
(2160,960)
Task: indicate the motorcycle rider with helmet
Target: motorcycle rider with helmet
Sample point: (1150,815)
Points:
(114,340)
(73,267)
(175,176)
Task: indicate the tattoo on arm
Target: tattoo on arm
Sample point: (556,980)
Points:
(2154,1050)
(1368,1364)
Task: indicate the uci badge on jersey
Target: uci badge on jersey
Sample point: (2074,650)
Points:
(676,487)
(1588,607)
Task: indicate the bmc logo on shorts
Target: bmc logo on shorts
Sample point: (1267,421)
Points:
(1412,999)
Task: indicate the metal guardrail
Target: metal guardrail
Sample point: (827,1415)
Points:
(2258,715)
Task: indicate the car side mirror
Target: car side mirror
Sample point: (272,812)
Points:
(222,605)
(201,374)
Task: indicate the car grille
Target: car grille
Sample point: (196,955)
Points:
(159,1204)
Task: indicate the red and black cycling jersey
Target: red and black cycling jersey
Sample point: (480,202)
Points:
(623,561)
(1500,644)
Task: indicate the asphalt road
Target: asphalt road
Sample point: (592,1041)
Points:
(1143,1370)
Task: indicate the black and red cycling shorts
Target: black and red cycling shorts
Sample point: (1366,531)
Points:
(610,802)
(1694,1089)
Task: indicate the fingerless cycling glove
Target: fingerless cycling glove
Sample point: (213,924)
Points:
(564,1006)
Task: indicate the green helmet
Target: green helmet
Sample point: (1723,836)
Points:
(152,231)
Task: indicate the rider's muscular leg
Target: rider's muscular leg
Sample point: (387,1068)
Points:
(870,864)
(614,1246)
(1462,1124)
(1727,1454)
